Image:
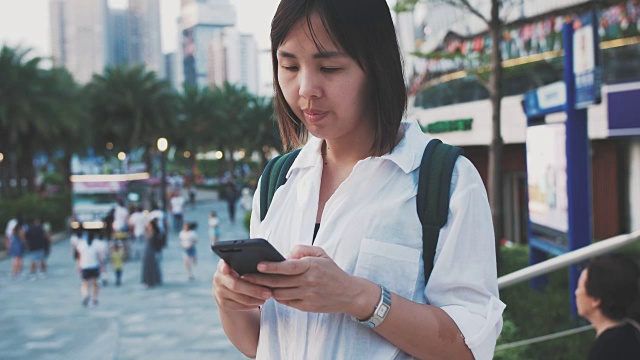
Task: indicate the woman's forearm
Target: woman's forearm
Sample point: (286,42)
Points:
(243,329)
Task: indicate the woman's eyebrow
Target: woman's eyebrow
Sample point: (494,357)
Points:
(320,55)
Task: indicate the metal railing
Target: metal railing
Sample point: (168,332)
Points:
(560,261)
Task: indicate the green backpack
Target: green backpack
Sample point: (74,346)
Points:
(432,200)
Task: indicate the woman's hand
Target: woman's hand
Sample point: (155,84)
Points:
(310,281)
(233,293)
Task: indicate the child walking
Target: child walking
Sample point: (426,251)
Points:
(214,227)
(117,261)
(188,240)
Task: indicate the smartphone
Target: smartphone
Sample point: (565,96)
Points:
(243,256)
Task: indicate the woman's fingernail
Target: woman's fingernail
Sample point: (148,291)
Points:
(262,267)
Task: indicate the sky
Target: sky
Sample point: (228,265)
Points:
(26,22)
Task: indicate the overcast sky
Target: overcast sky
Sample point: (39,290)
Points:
(27,22)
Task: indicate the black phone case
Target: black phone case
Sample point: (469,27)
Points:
(244,255)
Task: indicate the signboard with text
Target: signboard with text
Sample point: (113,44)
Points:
(586,61)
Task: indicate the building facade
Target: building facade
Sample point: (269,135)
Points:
(233,58)
(88,36)
(450,104)
(200,21)
(80,36)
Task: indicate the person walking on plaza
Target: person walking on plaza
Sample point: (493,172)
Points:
(161,221)
(151,275)
(214,227)
(188,240)
(117,261)
(608,296)
(137,223)
(37,242)
(17,246)
(90,264)
(231,196)
(353,283)
(177,205)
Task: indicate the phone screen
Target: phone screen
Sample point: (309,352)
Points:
(243,256)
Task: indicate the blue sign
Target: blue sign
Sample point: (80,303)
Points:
(545,100)
(586,61)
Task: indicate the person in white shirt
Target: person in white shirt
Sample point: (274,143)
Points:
(339,88)
(188,240)
(120,216)
(177,204)
(137,224)
(91,255)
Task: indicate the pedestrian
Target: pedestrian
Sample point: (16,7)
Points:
(188,240)
(17,247)
(137,223)
(90,264)
(608,296)
(162,222)
(117,261)
(177,205)
(231,196)
(192,196)
(120,219)
(151,275)
(214,227)
(37,242)
(353,284)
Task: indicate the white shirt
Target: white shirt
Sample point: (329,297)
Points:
(120,218)
(10,226)
(188,239)
(138,220)
(90,255)
(176,204)
(371,229)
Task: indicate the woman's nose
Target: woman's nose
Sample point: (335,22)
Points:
(310,86)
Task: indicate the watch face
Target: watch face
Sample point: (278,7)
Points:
(382,311)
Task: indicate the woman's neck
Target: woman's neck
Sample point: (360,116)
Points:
(602,323)
(346,151)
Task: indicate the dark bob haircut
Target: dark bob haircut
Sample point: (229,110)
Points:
(365,31)
(614,280)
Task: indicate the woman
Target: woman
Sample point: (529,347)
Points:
(90,265)
(353,286)
(17,247)
(151,275)
(608,295)
(188,240)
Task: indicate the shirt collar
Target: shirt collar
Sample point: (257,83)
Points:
(407,155)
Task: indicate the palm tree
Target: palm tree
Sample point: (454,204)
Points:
(261,129)
(30,111)
(131,108)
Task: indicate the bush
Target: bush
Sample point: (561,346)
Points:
(55,209)
(247,220)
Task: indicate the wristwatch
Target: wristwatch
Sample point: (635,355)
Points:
(381,311)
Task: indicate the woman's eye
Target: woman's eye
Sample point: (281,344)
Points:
(290,68)
(330,69)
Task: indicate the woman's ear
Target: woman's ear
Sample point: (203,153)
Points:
(595,303)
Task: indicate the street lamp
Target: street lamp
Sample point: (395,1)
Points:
(163,144)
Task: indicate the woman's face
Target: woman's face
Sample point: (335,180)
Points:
(327,90)
(584,302)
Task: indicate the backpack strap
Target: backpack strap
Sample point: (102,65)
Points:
(274,176)
(432,200)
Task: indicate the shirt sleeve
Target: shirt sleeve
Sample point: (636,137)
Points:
(255,211)
(464,280)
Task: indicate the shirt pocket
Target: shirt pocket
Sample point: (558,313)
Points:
(395,266)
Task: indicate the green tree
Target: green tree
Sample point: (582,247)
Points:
(38,112)
(130,107)
(261,129)
(493,84)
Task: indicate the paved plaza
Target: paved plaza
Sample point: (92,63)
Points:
(44,318)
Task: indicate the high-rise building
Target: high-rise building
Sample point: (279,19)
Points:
(79,36)
(119,36)
(233,58)
(144,34)
(169,68)
(200,21)
(88,36)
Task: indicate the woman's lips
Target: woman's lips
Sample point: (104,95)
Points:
(314,116)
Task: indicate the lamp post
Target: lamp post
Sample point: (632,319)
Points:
(163,144)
